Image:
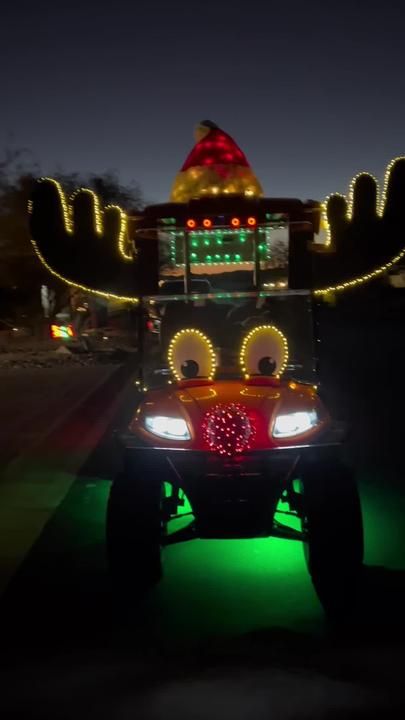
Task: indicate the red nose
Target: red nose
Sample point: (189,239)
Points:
(227,429)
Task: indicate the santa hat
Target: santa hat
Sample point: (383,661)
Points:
(215,165)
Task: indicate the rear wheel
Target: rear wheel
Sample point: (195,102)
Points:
(133,532)
(332,520)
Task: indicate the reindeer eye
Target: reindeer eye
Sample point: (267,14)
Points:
(264,351)
(190,369)
(191,355)
(266,365)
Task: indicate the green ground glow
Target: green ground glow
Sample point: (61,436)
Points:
(210,587)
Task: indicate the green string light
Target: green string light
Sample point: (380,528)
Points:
(214,238)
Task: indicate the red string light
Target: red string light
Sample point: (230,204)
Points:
(207,223)
(191,223)
(227,429)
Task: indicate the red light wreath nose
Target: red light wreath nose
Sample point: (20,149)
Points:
(227,429)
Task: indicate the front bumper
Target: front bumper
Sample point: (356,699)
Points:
(230,497)
(332,437)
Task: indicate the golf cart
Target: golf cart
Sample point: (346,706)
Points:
(230,426)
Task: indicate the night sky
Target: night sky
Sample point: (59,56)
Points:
(312,91)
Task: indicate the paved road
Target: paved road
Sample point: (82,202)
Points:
(32,401)
(51,421)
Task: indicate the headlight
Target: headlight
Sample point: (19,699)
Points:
(294,423)
(171,428)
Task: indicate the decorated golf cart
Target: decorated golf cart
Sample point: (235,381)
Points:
(229,420)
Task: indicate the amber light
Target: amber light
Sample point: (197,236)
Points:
(235,222)
(251,221)
(191,223)
(207,223)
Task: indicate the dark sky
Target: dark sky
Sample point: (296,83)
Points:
(312,91)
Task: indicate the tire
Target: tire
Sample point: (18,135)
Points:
(334,545)
(133,533)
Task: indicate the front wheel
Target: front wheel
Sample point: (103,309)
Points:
(133,532)
(332,520)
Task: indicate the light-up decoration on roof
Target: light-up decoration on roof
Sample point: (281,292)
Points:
(215,166)
(348,208)
(98,219)
(221,156)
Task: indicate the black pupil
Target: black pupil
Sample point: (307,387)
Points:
(189,369)
(266,366)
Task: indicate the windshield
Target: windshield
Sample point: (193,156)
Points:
(222,257)
(226,319)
